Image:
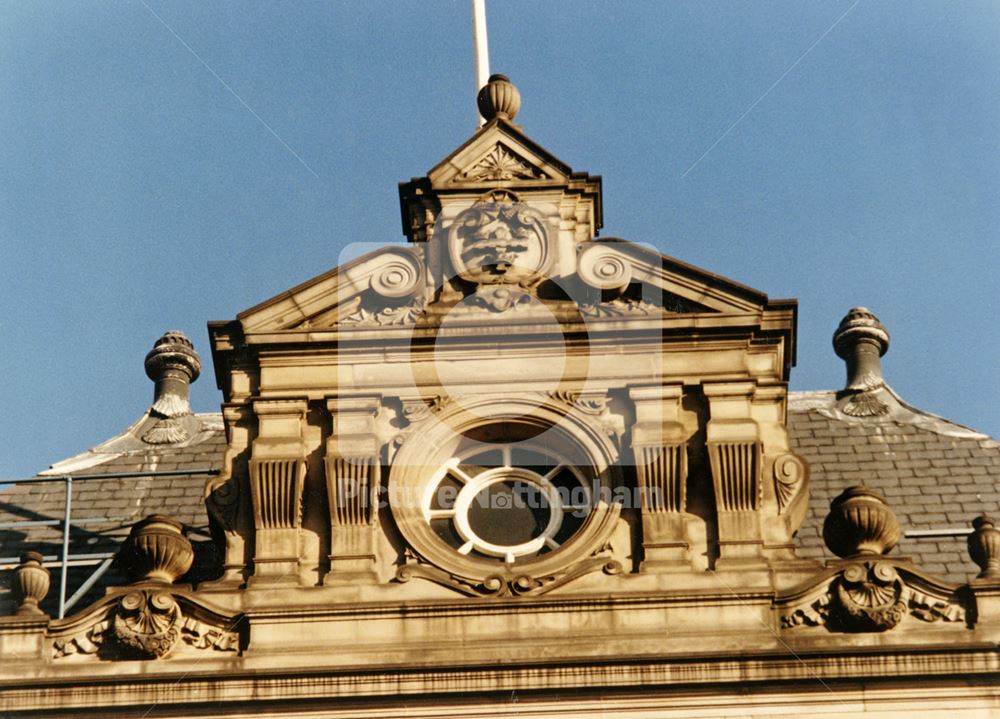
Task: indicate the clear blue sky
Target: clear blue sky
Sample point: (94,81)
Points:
(138,194)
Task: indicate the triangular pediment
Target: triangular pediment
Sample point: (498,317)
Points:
(389,288)
(501,163)
(391,277)
(674,285)
(499,153)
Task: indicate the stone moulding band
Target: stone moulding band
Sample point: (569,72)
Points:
(956,671)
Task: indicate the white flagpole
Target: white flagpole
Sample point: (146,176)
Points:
(480,47)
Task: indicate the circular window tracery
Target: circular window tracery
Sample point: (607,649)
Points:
(535,479)
(509,503)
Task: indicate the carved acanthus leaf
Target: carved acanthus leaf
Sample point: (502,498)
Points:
(811,614)
(202,636)
(620,307)
(931,609)
(88,642)
(594,404)
(789,472)
(407,314)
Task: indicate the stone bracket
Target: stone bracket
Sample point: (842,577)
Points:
(659,447)
(277,480)
(353,473)
(735,452)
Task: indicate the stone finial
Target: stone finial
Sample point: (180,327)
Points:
(173,365)
(984,546)
(860,340)
(498,98)
(860,522)
(156,550)
(31,583)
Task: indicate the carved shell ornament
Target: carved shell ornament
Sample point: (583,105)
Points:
(869,597)
(499,243)
(147,622)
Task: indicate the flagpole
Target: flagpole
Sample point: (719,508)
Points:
(480,47)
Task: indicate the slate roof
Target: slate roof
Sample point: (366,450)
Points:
(103,510)
(936,475)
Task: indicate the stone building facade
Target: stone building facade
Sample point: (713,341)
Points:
(514,468)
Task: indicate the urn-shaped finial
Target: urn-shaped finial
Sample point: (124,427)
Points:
(498,98)
(861,340)
(860,522)
(31,583)
(984,546)
(156,550)
(172,364)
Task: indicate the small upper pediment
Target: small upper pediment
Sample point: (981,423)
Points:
(498,153)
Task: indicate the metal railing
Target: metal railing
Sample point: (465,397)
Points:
(64,558)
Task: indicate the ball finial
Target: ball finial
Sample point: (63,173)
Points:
(498,98)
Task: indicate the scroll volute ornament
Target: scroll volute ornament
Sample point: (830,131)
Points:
(860,522)
(31,583)
(984,546)
(156,550)
(604,268)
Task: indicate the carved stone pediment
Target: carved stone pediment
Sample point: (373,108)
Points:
(503,252)
(499,153)
(871,594)
(149,620)
(385,287)
(501,162)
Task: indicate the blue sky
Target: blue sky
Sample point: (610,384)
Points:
(856,141)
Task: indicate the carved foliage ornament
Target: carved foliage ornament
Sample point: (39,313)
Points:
(869,596)
(621,307)
(789,474)
(873,596)
(407,314)
(146,623)
(508,585)
(500,163)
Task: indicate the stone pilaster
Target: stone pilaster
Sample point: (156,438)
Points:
(353,471)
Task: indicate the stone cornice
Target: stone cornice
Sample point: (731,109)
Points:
(773,673)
